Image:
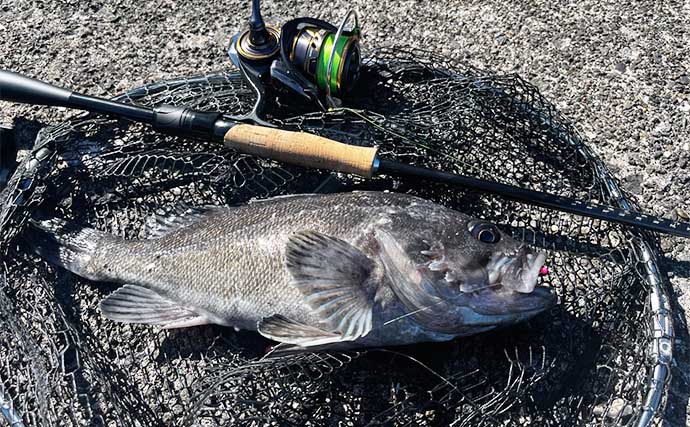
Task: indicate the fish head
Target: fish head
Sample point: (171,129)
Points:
(472,276)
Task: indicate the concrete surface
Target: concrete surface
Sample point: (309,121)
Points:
(619,69)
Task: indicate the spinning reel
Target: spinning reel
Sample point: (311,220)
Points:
(308,56)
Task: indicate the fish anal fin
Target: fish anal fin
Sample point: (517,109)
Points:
(137,304)
(333,276)
(280,328)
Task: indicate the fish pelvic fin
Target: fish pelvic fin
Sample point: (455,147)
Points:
(65,244)
(333,276)
(284,330)
(137,304)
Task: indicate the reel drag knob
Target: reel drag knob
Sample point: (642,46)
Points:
(258,47)
(260,41)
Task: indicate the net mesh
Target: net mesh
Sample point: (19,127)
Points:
(600,357)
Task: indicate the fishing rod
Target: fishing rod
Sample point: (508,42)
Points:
(307,150)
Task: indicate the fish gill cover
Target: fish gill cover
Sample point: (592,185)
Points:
(601,356)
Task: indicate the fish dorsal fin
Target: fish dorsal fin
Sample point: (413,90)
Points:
(284,330)
(332,275)
(137,304)
(168,219)
(283,197)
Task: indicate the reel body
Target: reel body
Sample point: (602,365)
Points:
(308,56)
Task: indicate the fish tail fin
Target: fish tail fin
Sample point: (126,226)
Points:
(65,244)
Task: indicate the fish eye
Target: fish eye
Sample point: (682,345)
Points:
(484,232)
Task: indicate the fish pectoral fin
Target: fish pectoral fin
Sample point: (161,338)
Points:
(284,330)
(332,275)
(137,304)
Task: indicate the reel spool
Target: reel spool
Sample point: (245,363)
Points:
(327,55)
(308,56)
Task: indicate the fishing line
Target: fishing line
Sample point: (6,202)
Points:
(434,373)
(412,312)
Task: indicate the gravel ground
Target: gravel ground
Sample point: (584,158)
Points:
(619,69)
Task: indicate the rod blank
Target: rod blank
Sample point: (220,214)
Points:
(564,204)
(25,90)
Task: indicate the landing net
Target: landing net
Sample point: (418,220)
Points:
(600,357)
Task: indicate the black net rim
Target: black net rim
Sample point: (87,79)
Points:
(658,304)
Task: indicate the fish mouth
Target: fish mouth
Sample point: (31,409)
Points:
(513,291)
(541,298)
(495,309)
(518,272)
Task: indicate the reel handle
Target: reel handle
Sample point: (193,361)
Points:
(302,149)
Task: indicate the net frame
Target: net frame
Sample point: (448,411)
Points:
(20,194)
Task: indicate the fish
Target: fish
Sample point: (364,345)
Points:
(311,271)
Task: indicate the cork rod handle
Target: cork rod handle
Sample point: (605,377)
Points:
(301,148)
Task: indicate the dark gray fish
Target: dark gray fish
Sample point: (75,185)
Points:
(340,270)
